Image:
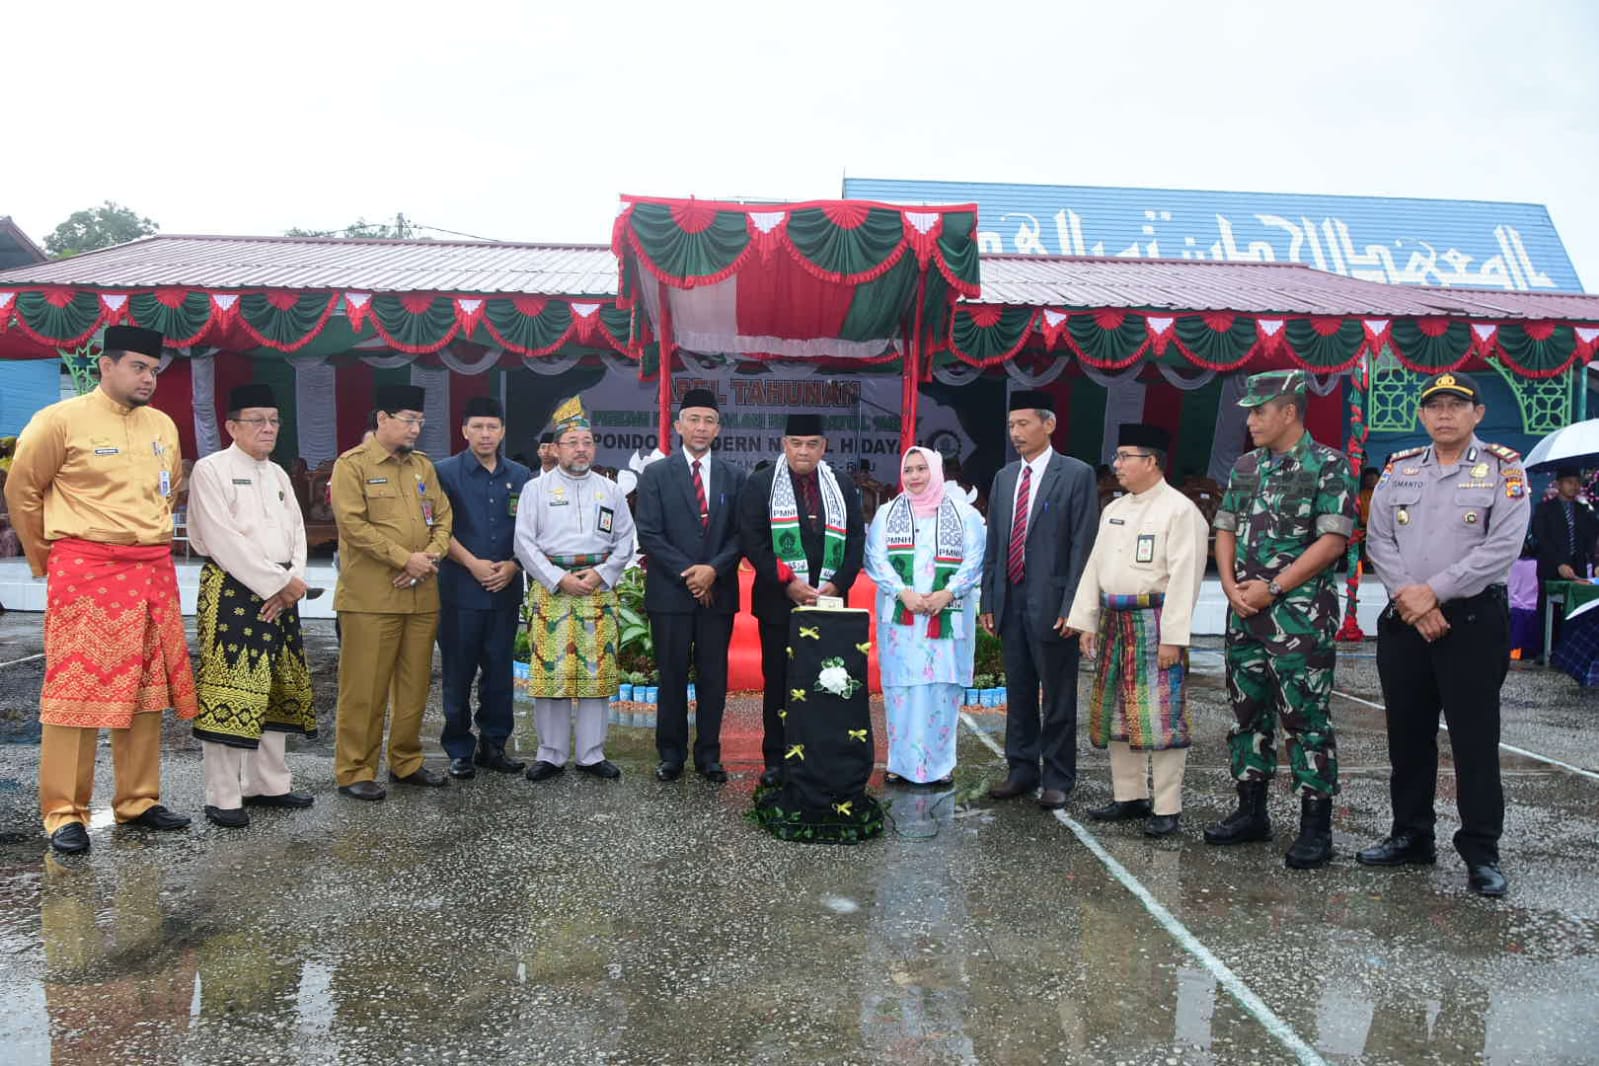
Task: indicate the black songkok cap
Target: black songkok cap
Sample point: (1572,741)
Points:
(1032,399)
(392,398)
(698,398)
(133,339)
(483,407)
(803,425)
(1567,471)
(1143,435)
(546,438)
(255,394)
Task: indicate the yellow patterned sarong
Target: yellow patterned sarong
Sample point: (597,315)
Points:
(572,642)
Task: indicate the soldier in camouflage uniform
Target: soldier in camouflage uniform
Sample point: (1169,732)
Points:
(1283,523)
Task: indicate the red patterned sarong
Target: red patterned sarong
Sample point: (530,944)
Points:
(114,644)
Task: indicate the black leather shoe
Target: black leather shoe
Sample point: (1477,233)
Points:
(227,817)
(543,771)
(421,777)
(1012,787)
(70,839)
(363,790)
(1120,811)
(714,772)
(605,769)
(297,800)
(462,768)
(494,758)
(771,777)
(1485,880)
(1160,825)
(1052,799)
(158,817)
(1400,849)
(667,771)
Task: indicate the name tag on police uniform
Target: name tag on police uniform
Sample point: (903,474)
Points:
(1145,551)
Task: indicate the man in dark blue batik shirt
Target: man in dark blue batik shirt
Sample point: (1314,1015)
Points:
(480,592)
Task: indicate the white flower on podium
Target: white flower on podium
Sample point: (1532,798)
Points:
(835,678)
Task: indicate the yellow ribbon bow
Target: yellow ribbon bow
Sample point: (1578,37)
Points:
(796,752)
(797,695)
(813,632)
(844,808)
(782,715)
(858,734)
(864,649)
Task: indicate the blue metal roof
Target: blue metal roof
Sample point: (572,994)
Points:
(1443,243)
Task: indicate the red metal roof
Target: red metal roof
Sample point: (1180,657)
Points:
(366,265)
(369,265)
(1258,288)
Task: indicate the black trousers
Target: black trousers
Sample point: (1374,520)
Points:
(477,646)
(699,640)
(774,672)
(1040,736)
(1461,675)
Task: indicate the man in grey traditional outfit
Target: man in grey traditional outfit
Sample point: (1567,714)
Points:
(574,537)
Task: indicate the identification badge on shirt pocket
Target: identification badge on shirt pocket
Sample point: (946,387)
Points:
(607,518)
(427,511)
(166,482)
(510,507)
(1145,551)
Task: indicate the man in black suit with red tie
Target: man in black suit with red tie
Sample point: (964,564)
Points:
(1043,512)
(801,527)
(687,518)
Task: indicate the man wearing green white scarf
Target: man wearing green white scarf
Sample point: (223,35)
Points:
(800,526)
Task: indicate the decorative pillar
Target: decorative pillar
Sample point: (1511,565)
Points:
(1359,431)
(664,377)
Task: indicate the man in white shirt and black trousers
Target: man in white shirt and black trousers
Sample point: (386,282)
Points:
(687,517)
(1043,511)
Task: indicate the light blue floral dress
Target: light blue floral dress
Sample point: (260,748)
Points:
(923,679)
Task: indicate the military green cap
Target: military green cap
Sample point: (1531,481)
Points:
(1272,385)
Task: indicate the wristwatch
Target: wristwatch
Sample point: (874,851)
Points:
(1275,589)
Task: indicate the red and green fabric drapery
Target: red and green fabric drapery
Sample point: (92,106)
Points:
(312,322)
(851,281)
(1112,338)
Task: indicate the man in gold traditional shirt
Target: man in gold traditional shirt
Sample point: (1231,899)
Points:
(90,493)
(394,527)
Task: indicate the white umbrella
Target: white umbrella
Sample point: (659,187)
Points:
(1575,445)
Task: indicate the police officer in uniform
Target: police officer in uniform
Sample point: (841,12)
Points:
(1447,522)
(1285,519)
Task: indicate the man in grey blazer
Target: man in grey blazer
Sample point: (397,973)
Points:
(687,516)
(1043,511)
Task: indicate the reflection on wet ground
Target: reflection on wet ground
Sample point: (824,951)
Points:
(581,921)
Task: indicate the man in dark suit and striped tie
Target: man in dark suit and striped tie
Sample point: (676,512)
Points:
(1043,511)
(687,517)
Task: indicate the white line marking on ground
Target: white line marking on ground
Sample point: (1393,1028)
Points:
(24,659)
(1224,975)
(1552,761)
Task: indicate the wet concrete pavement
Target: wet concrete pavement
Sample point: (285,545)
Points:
(583,921)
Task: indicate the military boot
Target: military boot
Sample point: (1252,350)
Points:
(1314,846)
(1249,822)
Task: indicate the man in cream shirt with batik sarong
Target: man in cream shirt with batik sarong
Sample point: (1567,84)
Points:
(254,686)
(1134,609)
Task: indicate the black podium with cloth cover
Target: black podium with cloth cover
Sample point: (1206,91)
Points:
(827,734)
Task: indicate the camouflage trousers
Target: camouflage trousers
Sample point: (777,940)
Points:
(1282,679)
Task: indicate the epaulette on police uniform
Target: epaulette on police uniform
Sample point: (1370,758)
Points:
(1506,455)
(1406,454)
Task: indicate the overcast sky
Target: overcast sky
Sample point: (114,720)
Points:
(504,121)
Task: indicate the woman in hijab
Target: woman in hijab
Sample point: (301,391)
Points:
(925,552)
